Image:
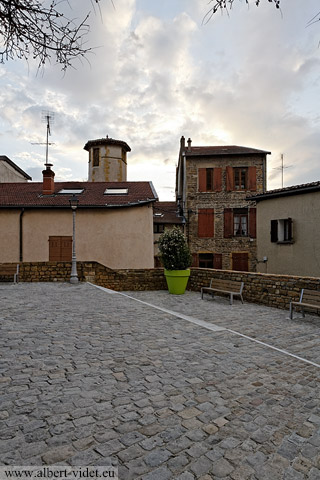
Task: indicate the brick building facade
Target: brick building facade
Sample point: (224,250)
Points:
(211,186)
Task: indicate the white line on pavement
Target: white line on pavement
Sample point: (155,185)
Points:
(208,326)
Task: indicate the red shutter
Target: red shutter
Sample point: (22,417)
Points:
(240,262)
(228,223)
(217,261)
(217,179)
(206,222)
(202,174)
(195,260)
(230,179)
(252,181)
(252,222)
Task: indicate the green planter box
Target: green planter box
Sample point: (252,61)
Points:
(177,280)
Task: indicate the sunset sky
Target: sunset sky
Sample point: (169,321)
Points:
(251,78)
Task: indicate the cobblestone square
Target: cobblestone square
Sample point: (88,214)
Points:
(164,386)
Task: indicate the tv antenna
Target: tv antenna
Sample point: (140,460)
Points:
(282,167)
(47,117)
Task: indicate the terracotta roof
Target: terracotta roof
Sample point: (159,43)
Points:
(166,212)
(4,158)
(30,194)
(106,141)
(287,191)
(223,150)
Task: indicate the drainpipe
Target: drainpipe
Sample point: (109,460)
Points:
(21,236)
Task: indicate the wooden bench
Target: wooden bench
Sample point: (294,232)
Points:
(308,299)
(230,287)
(10,270)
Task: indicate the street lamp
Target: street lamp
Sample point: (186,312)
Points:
(74,204)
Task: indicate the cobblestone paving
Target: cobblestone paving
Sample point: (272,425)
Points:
(92,378)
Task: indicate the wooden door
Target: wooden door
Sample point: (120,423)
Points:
(240,261)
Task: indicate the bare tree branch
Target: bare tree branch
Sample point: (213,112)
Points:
(226,5)
(28,29)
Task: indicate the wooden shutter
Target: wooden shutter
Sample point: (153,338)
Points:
(274,231)
(217,179)
(230,179)
(252,179)
(206,222)
(290,229)
(240,261)
(252,222)
(195,260)
(217,261)
(60,249)
(202,175)
(228,223)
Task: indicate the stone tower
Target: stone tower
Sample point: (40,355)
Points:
(107,160)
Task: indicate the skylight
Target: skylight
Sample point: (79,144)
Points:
(71,191)
(116,191)
(158,215)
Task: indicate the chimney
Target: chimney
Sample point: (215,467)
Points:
(182,143)
(189,144)
(48,180)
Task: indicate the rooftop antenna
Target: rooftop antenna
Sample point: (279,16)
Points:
(47,117)
(282,167)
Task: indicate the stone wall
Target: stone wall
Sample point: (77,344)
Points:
(267,289)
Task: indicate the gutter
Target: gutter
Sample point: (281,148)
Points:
(21,235)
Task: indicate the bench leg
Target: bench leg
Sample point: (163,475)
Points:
(201,294)
(231,298)
(302,311)
(241,297)
(291,310)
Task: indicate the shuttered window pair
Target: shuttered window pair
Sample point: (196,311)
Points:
(282,230)
(210,179)
(207,260)
(239,222)
(241,178)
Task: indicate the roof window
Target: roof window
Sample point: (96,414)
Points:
(116,191)
(70,191)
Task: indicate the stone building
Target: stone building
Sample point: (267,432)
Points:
(107,160)
(212,184)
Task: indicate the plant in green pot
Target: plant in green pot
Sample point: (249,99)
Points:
(176,259)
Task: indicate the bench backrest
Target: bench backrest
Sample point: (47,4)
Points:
(228,285)
(8,268)
(310,296)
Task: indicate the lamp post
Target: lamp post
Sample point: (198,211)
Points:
(74,204)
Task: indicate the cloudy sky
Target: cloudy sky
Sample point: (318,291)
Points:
(251,78)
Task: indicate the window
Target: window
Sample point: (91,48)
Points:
(115,191)
(206,260)
(210,179)
(240,261)
(95,155)
(70,191)
(240,222)
(282,231)
(158,228)
(240,178)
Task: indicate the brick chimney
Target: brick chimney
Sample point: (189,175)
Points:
(182,143)
(48,180)
(189,144)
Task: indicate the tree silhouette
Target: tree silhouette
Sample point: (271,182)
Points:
(29,29)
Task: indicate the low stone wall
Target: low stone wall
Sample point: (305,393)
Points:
(267,289)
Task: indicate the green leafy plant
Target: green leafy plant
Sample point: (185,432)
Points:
(174,251)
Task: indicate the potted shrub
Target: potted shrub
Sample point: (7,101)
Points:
(176,259)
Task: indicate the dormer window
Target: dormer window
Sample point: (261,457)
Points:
(116,191)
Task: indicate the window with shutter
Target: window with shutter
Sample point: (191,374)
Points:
(206,222)
(253,222)
(210,179)
(274,231)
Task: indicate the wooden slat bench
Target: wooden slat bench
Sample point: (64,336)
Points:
(10,270)
(230,287)
(308,299)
